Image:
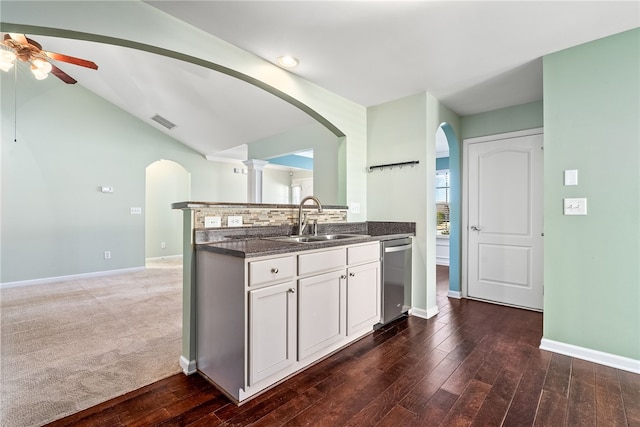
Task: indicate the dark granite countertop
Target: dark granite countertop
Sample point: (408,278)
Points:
(256,241)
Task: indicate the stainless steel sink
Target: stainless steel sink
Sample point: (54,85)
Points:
(317,238)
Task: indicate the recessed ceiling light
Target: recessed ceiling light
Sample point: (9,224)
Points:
(288,61)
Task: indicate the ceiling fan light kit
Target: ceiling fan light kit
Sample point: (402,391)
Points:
(18,47)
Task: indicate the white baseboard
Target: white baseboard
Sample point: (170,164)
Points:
(424,314)
(442,261)
(607,359)
(56,279)
(188,366)
(454,294)
(160,258)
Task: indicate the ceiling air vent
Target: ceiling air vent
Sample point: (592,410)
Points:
(164,122)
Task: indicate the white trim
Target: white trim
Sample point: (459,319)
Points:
(46,280)
(160,258)
(424,314)
(188,366)
(441,260)
(454,294)
(607,359)
(507,135)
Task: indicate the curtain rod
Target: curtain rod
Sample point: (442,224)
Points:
(392,165)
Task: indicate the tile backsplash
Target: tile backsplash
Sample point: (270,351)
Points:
(261,216)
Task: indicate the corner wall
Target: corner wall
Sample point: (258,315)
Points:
(592,124)
(405,130)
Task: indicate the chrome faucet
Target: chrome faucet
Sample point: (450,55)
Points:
(302,222)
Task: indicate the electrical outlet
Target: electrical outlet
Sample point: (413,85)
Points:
(212,221)
(163,245)
(234,221)
(107,254)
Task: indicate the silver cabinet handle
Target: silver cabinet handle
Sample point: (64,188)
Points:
(292,290)
(397,248)
(474,228)
(274,270)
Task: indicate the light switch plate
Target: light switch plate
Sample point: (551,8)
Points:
(575,206)
(571,177)
(234,221)
(355,208)
(136,211)
(212,221)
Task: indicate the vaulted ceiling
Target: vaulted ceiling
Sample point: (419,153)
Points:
(474,56)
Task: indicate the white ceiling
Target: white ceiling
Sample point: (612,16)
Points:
(474,56)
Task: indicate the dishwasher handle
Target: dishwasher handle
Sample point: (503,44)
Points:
(397,248)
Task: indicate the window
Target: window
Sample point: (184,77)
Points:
(442,202)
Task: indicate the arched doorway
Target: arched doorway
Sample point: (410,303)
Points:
(448,159)
(166,182)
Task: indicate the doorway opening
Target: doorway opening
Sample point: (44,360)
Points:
(448,201)
(166,182)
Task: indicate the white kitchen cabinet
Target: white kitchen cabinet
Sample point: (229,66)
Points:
(322,312)
(260,320)
(363,296)
(272,330)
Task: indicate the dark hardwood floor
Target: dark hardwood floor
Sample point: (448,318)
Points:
(473,364)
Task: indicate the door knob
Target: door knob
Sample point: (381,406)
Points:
(474,228)
(292,290)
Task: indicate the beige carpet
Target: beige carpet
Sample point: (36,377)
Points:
(67,346)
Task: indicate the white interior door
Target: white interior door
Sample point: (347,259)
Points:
(505,220)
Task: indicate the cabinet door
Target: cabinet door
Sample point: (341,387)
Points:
(363,297)
(272,330)
(321,312)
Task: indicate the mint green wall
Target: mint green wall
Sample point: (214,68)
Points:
(510,119)
(54,220)
(325,147)
(398,131)
(592,124)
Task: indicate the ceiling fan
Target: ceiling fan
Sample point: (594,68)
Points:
(18,46)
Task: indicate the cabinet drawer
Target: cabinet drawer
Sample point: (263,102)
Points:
(364,253)
(270,270)
(321,261)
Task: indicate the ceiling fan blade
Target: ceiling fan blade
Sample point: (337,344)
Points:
(62,75)
(71,60)
(20,38)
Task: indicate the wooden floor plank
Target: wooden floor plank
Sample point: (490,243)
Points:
(581,410)
(463,412)
(630,385)
(552,409)
(557,380)
(610,405)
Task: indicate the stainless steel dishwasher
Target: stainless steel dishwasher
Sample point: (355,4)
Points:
(396,278)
